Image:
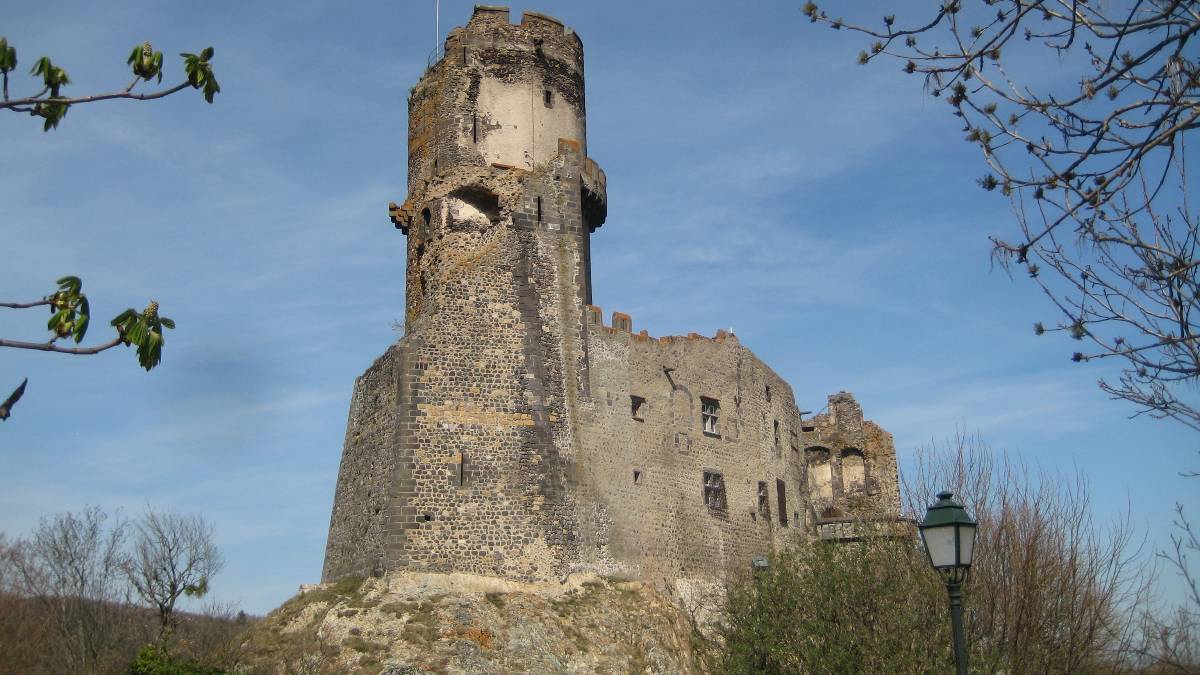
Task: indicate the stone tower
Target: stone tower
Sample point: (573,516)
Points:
(458,448)
(511,432)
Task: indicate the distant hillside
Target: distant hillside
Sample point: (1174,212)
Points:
(430,623)
(30,644)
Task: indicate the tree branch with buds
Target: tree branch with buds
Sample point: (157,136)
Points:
(51,105)
(70,316)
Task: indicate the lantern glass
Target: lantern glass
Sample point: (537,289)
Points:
(940,543)
(966,544)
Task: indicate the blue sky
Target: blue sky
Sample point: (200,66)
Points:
(758,179)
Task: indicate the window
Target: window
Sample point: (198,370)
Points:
(637,477)
(462,468)
(776,433)
(781,490)
(709,409)
(768,393)
(683,441)
(548,98)
(764,500)
(820,473)
(714,491)
(637,406)
(854,471)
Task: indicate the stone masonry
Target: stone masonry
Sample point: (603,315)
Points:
(511,432)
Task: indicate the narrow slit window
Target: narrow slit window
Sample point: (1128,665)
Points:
(462,469)
(776,433)
(781,490)
(637,477)
(768,393)
(548,98)
(539,209)
(475,128)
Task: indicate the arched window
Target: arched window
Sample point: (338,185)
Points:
(854,471)
(820,474)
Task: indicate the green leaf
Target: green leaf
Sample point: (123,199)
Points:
(70,284)
(211,87)
(81,328)
(8,56)
(123,317)
(137,332)
(41,66)
(206,54)
(167,323)
(150,351)
(57,319)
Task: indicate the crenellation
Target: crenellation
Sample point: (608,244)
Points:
(511,432)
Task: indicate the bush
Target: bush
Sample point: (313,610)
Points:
(1050,591)
(872,606)
(153,661)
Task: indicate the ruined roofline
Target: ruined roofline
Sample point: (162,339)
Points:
(623,323)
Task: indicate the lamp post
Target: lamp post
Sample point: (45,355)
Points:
(949,537)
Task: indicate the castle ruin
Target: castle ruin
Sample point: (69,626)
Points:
(511,432)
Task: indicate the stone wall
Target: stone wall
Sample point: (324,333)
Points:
(646,451)
(357,531)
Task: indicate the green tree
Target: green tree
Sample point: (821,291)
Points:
(871,606)
(70,315)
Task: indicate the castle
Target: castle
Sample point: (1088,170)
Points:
(511,432)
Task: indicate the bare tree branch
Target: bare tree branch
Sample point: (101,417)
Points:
(26,305)
(49,346)
(1096,169)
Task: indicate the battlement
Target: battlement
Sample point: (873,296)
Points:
(490,27)
(497,18)
(622,323)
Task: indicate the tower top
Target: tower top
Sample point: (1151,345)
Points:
(498,95)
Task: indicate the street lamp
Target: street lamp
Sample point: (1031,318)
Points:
(949,537)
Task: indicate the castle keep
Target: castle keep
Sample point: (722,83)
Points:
(512,432)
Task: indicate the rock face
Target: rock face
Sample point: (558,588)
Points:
(511,432)
(431,623)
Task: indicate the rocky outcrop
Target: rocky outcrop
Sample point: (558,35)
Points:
(457,623)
